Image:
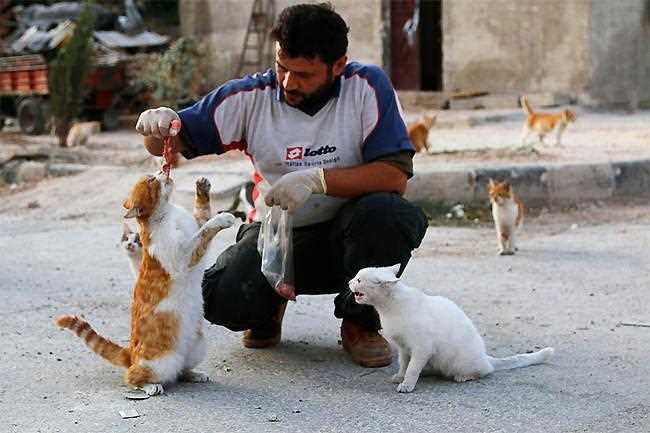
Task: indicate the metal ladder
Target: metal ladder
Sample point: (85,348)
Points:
(257,50)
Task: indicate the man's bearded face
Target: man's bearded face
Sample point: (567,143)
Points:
(302,80)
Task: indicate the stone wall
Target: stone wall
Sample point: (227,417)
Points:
(620,54)
(223,24)
(592,50)
(514,46)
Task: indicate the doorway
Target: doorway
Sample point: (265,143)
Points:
(416,64)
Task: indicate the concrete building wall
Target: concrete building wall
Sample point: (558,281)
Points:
(222,26)
(595,50)
(513,46)
(620,54)
(222,23)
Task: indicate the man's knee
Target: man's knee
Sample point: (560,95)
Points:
(235,292)
(386,217)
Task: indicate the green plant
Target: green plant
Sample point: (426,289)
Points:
(180,74)
(69,70)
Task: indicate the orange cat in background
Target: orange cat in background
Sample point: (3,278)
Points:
(167,339)
(508,214)
(419,131)
(543,123)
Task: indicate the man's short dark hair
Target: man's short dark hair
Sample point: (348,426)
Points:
(312,30)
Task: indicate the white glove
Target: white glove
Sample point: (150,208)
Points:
(156,122)
(293,189)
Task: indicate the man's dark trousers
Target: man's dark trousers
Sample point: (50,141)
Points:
(379,229)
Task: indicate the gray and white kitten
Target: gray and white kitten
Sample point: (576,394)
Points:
(432,333)
(132,247)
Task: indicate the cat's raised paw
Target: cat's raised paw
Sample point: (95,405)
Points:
(397,378)
(153,388)
(222,220)
(405,387)
(203,186)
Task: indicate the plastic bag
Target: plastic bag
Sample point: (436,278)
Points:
(275,244)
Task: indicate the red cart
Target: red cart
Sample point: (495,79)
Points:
(24,92)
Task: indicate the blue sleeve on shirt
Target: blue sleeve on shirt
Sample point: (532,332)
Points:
(197,123)
(198,120)
(390,135)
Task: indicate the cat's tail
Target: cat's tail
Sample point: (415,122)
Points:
(113,353)
(526,106)
(522,360)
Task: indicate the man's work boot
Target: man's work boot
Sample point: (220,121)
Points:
(268,334)
(367,348)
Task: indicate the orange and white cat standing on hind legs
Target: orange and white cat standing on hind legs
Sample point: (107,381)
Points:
(167,339)
(544,123)
(508,215)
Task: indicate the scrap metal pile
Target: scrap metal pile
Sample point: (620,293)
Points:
(41,28)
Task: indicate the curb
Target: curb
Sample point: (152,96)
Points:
(65,169)
(537,185)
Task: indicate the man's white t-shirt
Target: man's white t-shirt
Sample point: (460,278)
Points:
(359,124)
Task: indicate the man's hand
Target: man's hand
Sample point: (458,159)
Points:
(293,189)
(156,122)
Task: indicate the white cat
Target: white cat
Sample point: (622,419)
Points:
(132,247)
(431,332)
(80,133)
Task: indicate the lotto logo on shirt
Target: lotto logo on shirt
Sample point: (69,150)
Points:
(294,153)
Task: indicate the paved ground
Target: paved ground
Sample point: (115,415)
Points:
(568,287)
(578,275)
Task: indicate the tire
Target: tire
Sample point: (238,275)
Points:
(30,116)
(2,122)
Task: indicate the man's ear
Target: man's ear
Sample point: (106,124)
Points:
(339,65)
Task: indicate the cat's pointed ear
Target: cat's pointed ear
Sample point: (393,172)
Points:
(131,210)
(133,213)
(506,186)
(491,183)
(390,276)
(126,230)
